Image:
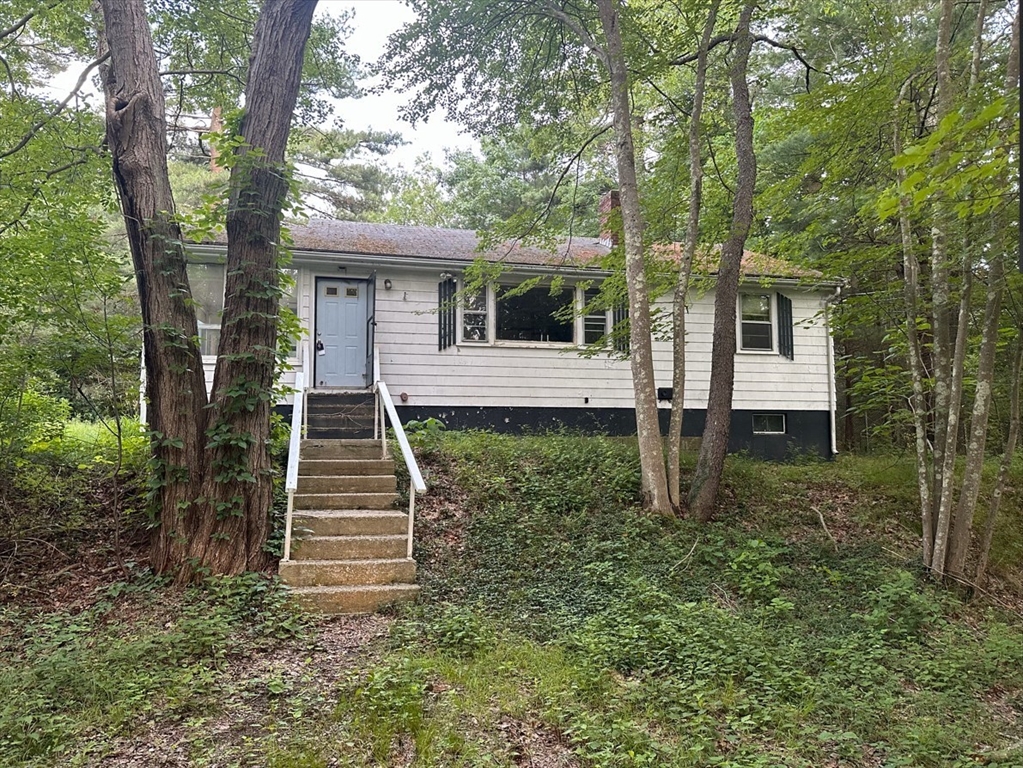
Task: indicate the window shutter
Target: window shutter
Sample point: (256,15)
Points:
(620,317)
(447,314)
(785,345)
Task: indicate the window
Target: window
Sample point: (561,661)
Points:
(207,282)
(536,314)
(503,313)
(595,321)
(474,316)
(756,327)
(768,423)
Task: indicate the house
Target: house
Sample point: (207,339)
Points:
(509,361)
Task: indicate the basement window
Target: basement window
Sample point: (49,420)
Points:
(768,423)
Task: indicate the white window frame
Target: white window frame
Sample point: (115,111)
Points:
(578,321)
(784,423)
(773,303)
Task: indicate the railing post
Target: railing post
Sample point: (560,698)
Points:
(287,527)
(411,515)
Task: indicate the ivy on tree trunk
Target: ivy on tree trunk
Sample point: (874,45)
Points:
(211,482)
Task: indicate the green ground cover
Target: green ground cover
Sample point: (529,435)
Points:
(558,626)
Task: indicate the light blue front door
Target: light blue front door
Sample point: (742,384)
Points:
(341,336)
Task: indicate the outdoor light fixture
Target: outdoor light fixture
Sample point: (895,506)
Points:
(387,284)
(445,275)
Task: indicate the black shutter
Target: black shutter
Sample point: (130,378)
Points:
(620,327)
(785,345)
(447,314)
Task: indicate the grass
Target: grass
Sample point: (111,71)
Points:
(560,625)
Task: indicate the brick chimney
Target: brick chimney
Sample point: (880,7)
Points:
(609,202)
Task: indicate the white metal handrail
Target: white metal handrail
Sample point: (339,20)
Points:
(416,482)
(294,446)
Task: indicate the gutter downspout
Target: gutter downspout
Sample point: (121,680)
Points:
(832,392)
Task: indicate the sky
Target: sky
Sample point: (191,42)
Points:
(374,21)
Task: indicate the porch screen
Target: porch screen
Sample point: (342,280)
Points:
(447,314)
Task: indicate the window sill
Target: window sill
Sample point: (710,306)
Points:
(506,344)
(760,352)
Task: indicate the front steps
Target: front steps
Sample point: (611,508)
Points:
(349,544)
(339,414)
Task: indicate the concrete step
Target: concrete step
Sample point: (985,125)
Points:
(350,547)
(322,448)
(361,599)
(345,500)
(328,407)
(333,421)
(351,522)
(312,467)
(354,398)
(350,431)
(347,573)
(346,483)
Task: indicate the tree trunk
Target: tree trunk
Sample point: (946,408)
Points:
(944,438)
(984,550)
(918,398)
(240,486)
(175,387)
(707,477)
(685,271)
(651,452)
(962,528)
(959,542)
(212,479)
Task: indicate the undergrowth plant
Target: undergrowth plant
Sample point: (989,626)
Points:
(755,641)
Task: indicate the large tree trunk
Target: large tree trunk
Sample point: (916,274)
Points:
(175,388)
(707,477)
(240,486)
(685,271)
(213,484)
(651,453)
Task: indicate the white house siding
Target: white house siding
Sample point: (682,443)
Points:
(511,375)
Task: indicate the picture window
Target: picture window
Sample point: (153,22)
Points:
(536,315)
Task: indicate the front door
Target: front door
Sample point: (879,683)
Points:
(341,340)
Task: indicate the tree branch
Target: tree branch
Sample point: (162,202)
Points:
(20,23)
(56,111)
(730,37)
(580,31)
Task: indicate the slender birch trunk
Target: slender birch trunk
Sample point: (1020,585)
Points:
(710,464)
(984,549)
(918,398)
(651,451)
(962,528)
(686,267)
(944,440)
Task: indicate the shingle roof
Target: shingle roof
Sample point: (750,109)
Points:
(460,245)
(434,243)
